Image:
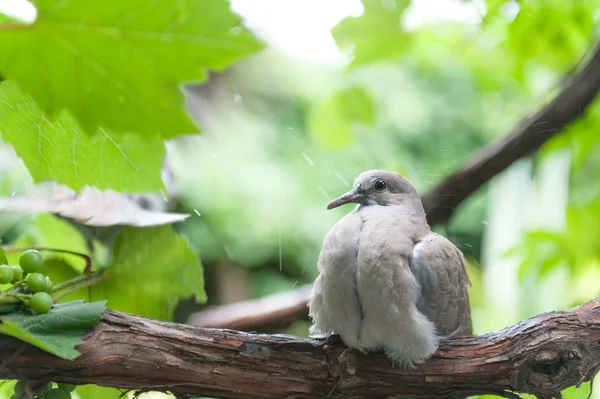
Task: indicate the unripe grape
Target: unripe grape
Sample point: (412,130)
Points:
(40,302)
(18,273)
(50,284)
(37,282)
(66,387)
(31,261)
(56,393)
(6,274)
(19,388)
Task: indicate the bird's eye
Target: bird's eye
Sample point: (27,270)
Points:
(379,185)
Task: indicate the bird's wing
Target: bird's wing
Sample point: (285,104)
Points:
(439,267)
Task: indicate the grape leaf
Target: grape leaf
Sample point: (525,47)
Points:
(332,121)
(152,269)
(58,331)
(375,35)
(119,64)
(60,150)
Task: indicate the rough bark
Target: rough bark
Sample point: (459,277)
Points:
(529,135)
(541,355)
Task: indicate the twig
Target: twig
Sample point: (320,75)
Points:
(87,282)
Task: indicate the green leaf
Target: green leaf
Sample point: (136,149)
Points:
(377,34)
(152,269)
(333,121)
(58,331)
(60,150)
(119,64)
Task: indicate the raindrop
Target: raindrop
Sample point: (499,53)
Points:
(237,98)
(280,257)
(214,156)
(484,222)
(295,283)
(310,162)
(227,251)
(322,190)
(197,212)
(289,128)
(468,245)
(341,178)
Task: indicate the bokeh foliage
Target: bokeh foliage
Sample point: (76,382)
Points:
(281,137)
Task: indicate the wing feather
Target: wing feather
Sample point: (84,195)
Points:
(439,267)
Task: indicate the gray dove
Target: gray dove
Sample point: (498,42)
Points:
(386,281)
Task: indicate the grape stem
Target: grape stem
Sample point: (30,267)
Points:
(8,299)
(76,283)
(88,260)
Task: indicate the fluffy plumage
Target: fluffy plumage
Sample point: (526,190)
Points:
(386,282)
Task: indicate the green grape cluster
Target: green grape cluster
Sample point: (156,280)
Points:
(27,285)
(49,391)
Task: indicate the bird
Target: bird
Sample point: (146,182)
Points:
(385,281)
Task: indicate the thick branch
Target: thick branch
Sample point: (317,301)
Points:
(542,356)
(533,131)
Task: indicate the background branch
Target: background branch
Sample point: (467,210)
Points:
(529,135)
(129,351)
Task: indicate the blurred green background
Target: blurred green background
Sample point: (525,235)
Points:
(414,87)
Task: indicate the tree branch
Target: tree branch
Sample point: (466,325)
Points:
(541,356)
(257,313)
(529,135)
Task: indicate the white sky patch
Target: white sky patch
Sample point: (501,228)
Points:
(301,28)
(426,12)
(18,9)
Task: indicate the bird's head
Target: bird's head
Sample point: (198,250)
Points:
(378,187)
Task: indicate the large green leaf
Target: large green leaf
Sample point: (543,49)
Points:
(58,331)
(119,64)
(334,120)
(152,269)
(60,150)
(377,34)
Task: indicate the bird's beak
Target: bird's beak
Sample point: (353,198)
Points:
(350,196)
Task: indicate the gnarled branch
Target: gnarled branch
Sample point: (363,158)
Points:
(541,355)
